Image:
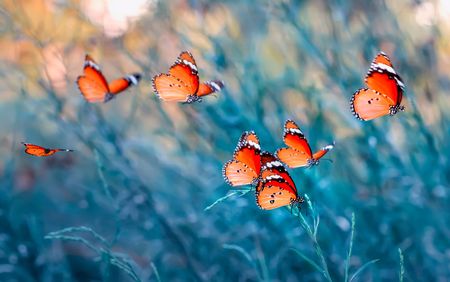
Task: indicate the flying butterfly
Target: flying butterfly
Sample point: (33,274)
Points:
(245,167)
(383,94)
(94,87)
(39,151)
(182,83)
(276,187)
(298,153)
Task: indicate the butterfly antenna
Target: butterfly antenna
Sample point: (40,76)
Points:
(331,161)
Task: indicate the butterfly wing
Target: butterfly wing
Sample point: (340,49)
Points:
(271,165)
(293,137)
(187,59)
(93,85)
(246,164)
(383,78)
(38,151)
(237,173)
(274,192)
(292,157)
(119,85)
(178,85)
(299,151)
(322,152)
(367,104)
(209,87)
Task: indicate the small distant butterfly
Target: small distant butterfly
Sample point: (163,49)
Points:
(245,167)
(383,94)
(39,151)
(95,88)
(182,84)
(298,153)
(276,187)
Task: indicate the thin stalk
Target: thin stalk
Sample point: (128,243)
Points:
(349,254)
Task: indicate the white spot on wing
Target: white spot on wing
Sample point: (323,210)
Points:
(191,65)
(295,130)
(383,67)
(253,144)
(132,79)
(92,65)
(214,85)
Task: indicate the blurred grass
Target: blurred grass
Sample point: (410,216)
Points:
(144,171)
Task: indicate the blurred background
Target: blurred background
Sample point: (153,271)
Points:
(134,193)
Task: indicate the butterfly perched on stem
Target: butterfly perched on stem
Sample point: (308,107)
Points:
(94,87)
(39,151)
(383,94)
(182,84)
(245,167)
(275,188)
(298,153)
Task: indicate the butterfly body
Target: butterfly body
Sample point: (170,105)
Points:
(384,92)
(94,87)
(40,151)
(182,83)
(299,153)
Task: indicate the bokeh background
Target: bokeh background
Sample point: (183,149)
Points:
(134,193)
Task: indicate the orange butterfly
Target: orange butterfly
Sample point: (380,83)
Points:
(182,84)
(298,153)
(384,93)
(276,187)
(245,166)
(39,151)
(95,88)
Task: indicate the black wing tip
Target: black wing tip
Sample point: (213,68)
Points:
(137,75)
(219,83)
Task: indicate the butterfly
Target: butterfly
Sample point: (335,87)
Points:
(182,84)
(245,167)
(39,151)
(95,88)
(298,153)
(383,94)
(276,187)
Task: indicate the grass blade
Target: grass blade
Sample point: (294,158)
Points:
(361,269)
(155,270)
(402,268)
(308,260)
(239,250)
(242,193)
(350,247)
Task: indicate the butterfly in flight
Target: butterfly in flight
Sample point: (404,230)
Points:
(94,87)
(276,187)
(298,153)
(39,151)
(245,167)
(182,83)
(383,94)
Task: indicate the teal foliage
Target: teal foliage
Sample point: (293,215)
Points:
(142,197)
